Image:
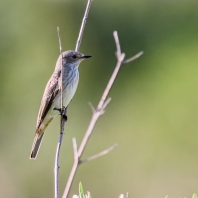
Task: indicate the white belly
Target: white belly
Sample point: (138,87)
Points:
(68,93)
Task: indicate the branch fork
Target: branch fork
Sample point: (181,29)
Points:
(97,112)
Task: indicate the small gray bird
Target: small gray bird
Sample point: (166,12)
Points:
(51,100)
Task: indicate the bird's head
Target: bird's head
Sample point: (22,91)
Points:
(73,57)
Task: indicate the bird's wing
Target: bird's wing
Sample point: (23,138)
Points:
(51,90)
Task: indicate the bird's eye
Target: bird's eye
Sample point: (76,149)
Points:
(74,56)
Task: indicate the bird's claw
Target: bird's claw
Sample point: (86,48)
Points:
(58,109)
(62,112)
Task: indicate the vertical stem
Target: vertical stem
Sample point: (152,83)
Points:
(62,123)
(56,167)
(79,40)
(59,39)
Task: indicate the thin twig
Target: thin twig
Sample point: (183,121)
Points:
(73,171)
(101,102)
(79,40)
(96,114)
(60,47)
(99,154)
(62,125)
(118,51)
(56,167)
(133,58)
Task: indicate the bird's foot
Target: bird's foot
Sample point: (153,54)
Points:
(58,109)
(64,117)
(62,112)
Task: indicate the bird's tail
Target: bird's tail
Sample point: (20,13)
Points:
(36,145)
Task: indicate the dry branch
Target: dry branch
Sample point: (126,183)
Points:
(96,114)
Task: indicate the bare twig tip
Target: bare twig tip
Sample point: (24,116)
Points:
(141,53)
(99,154)
(133,57)
(115,32)
(118,49)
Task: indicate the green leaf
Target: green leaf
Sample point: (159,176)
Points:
(194,195)
(81,192)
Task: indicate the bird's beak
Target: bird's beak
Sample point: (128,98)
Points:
(86,56)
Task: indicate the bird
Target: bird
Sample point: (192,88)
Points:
(69,61)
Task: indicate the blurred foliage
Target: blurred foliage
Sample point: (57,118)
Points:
(194,195)
(81,192)
(154,108)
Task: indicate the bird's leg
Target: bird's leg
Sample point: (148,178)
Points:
(62,112)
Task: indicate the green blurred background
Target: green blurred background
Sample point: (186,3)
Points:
(154,109)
